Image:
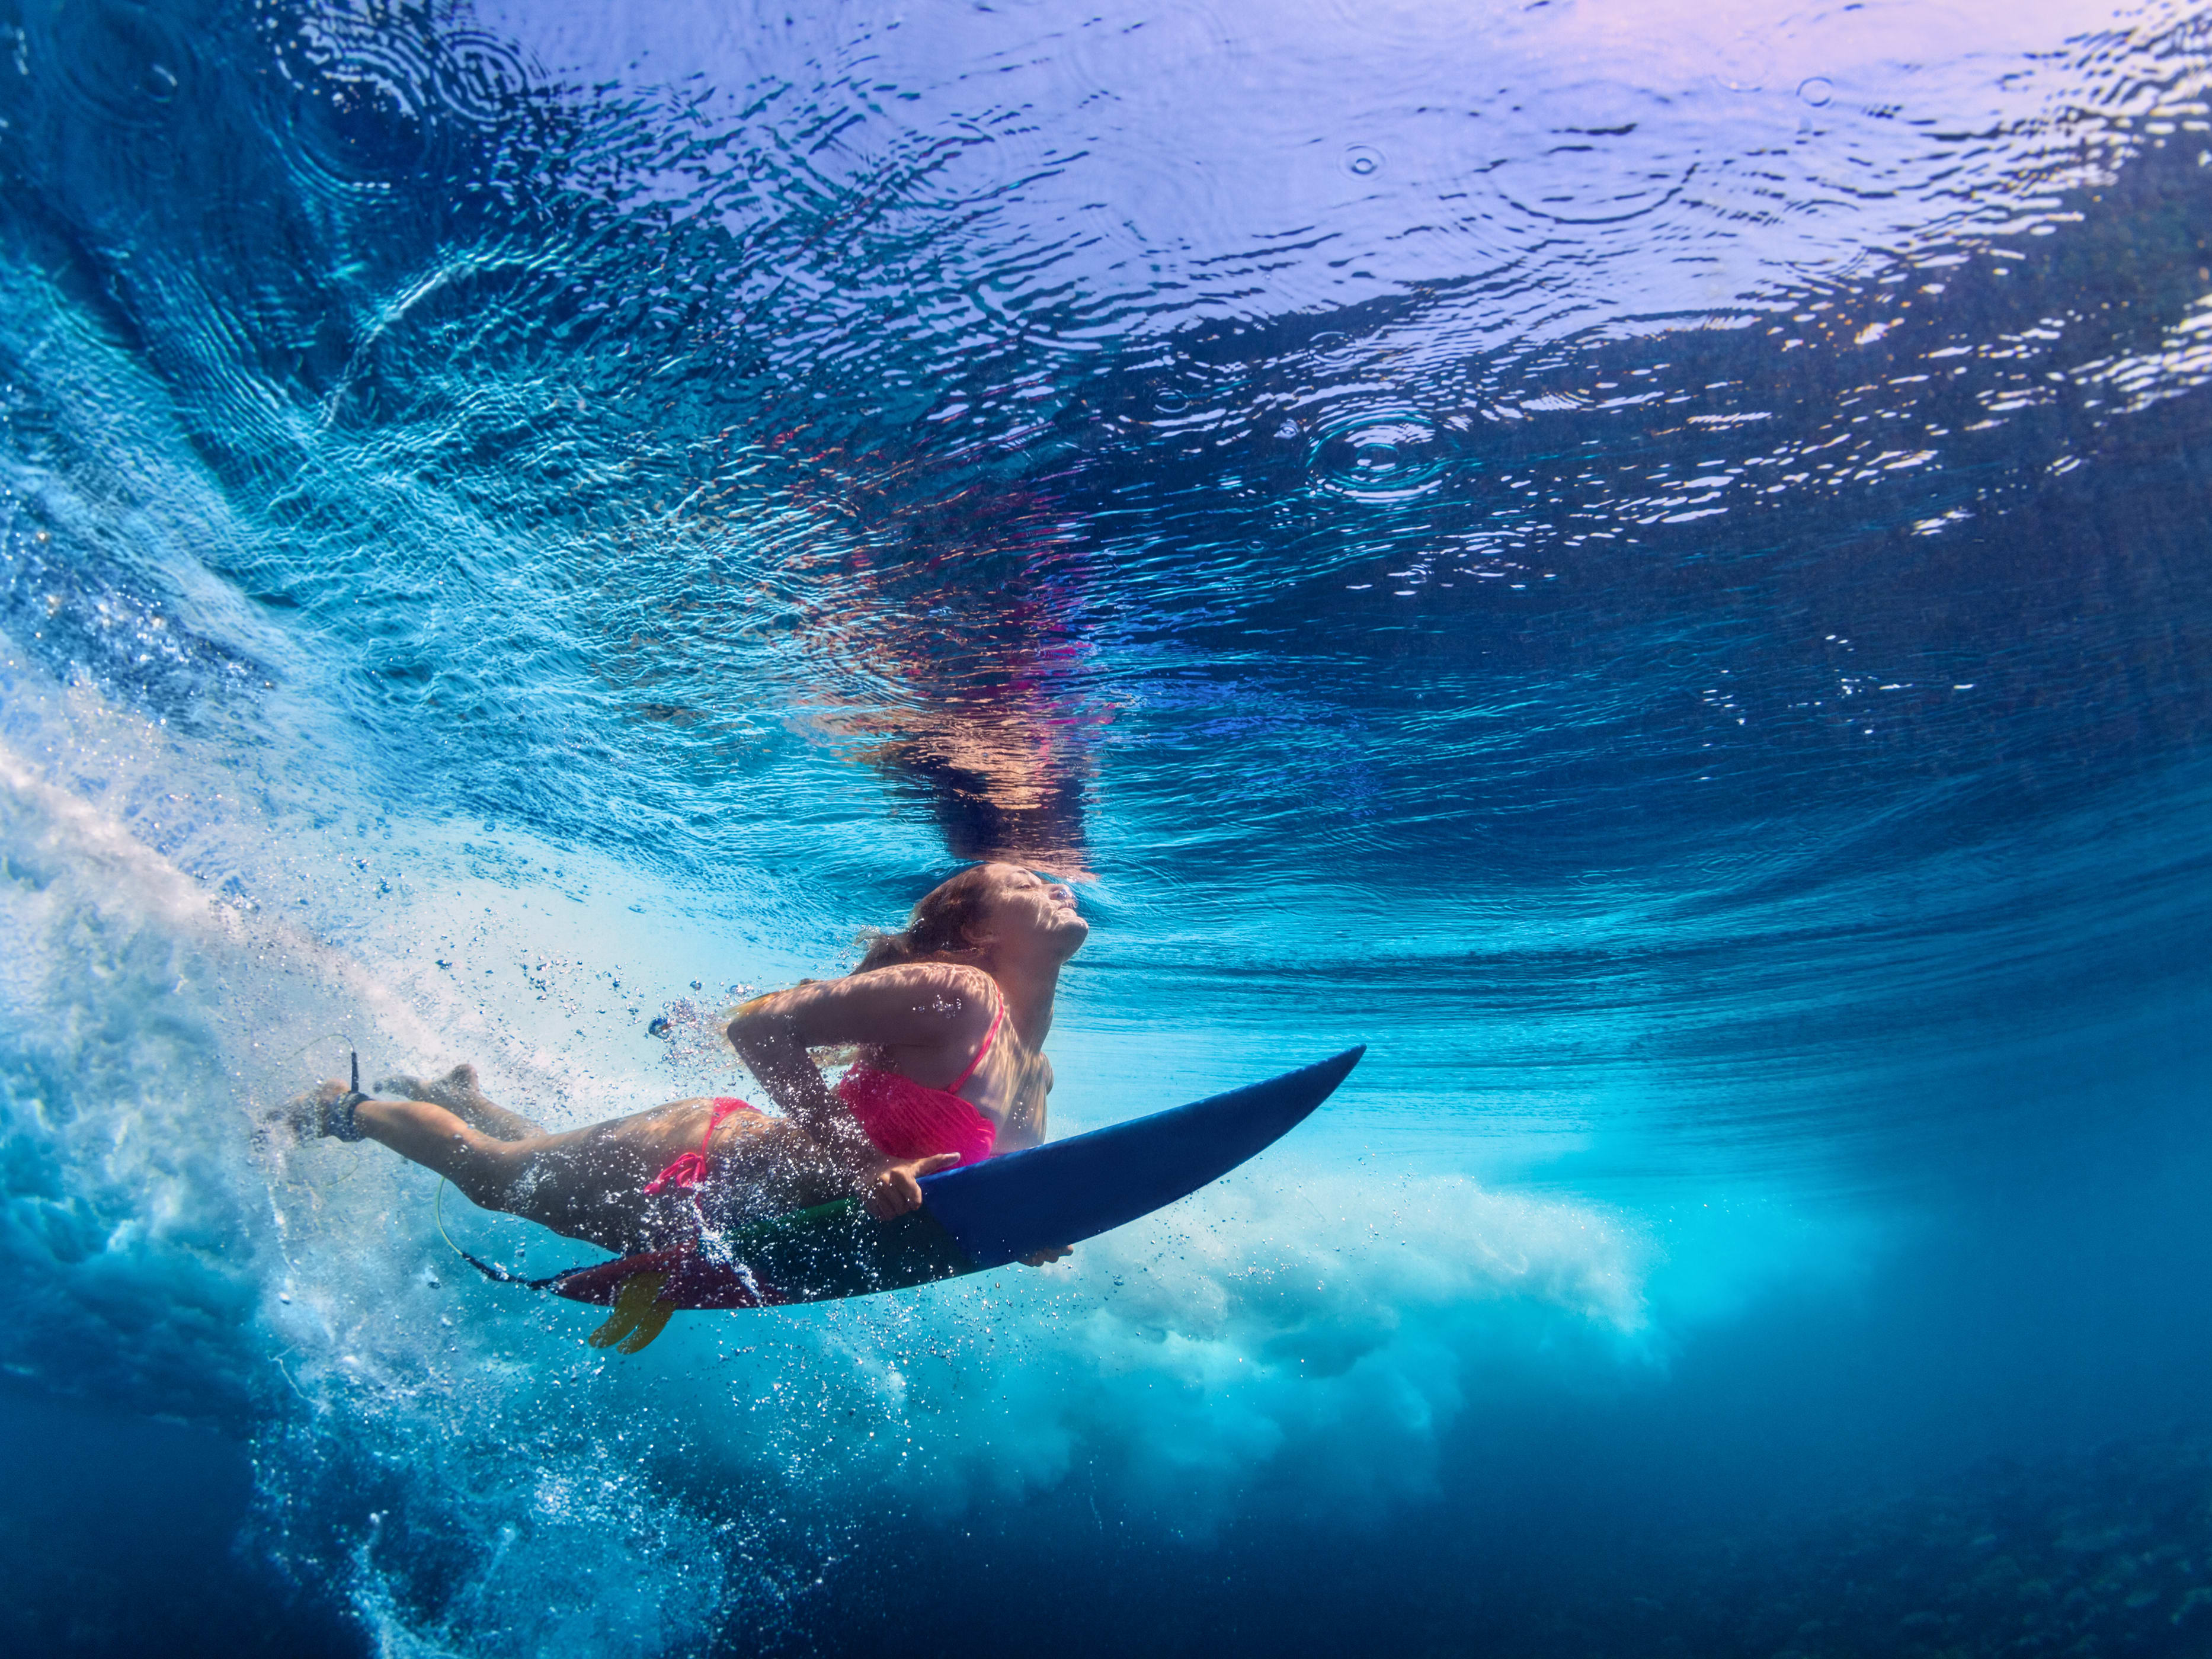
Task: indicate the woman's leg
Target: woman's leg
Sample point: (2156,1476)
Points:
(590,1183)
(461,1094)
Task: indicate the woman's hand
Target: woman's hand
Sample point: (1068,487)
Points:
(1050,1253)
(895,1190)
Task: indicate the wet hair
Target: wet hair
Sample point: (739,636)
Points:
(937,929)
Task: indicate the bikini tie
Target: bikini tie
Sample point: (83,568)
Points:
(688,1171)
(692,1168)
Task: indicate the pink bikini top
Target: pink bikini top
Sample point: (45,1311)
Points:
(909,1120)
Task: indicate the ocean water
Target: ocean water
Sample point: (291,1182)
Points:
(1652,563)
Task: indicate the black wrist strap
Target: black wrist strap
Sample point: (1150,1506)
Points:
(338,1114)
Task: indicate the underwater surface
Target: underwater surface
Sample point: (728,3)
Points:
(1651,563)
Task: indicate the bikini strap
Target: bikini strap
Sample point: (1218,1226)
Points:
(954,1088)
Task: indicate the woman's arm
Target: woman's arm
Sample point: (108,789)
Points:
(1024,1124)
(928,1006)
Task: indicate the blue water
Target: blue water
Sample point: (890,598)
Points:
(1652,564)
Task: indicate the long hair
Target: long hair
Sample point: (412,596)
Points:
(937,929)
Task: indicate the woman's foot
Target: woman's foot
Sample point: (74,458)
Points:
(311,1115)
(458,1092)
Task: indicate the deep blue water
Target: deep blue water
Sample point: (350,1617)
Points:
(1652,564)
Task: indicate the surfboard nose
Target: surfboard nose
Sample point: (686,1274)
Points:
(1068,1190)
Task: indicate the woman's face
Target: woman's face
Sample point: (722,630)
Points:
(1024,907)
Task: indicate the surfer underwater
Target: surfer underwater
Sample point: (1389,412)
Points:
(950,1016)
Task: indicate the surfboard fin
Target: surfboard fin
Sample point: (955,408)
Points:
(639,1315)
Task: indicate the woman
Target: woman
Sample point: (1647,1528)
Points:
(950,1016)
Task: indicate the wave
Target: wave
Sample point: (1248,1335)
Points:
(477,1479)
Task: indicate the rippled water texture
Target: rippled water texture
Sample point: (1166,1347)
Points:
(1649,562)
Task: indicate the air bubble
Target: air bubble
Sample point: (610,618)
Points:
(1816,90)
(1362,161)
